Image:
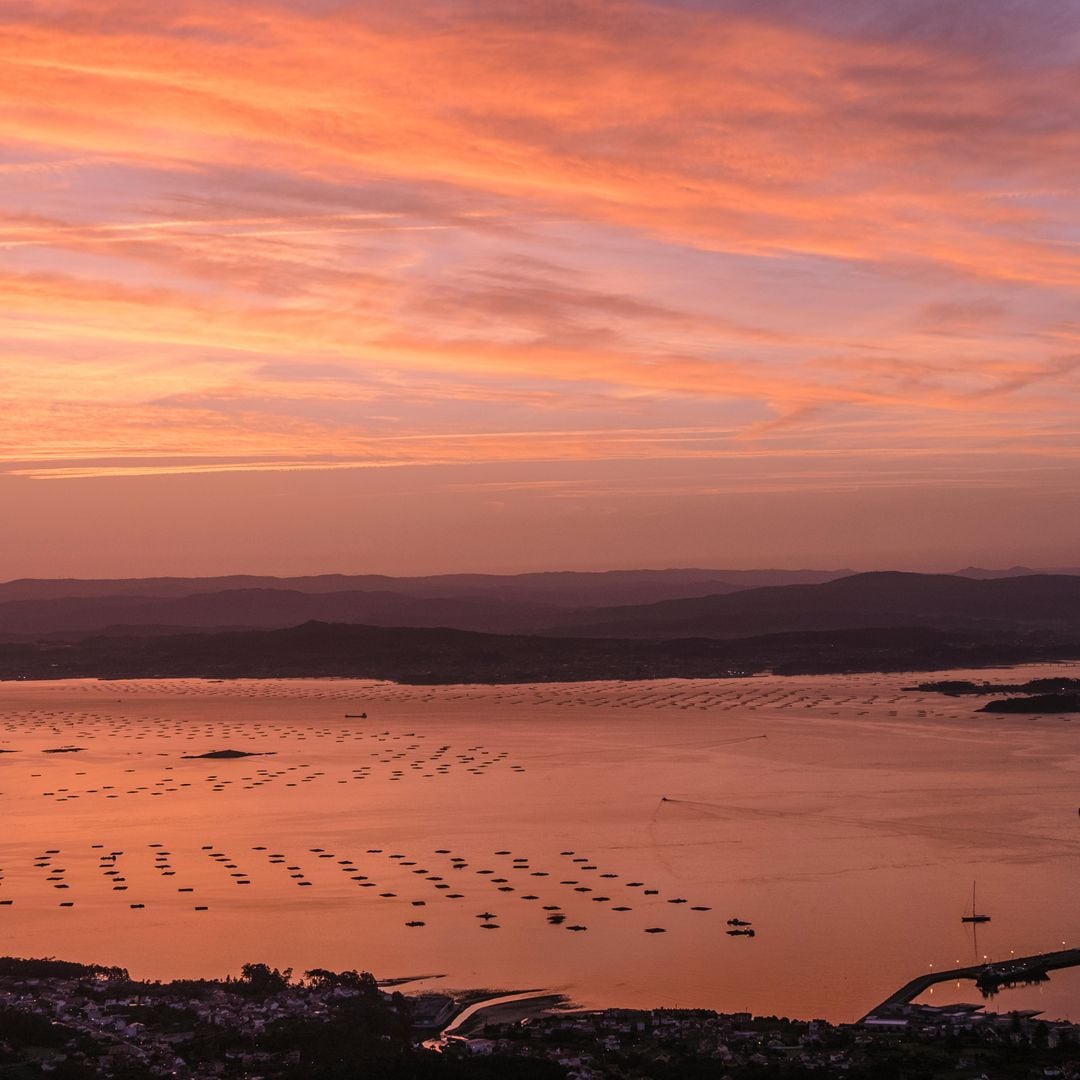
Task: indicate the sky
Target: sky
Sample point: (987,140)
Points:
(300,286)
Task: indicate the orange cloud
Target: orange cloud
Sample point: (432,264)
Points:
(730,133)
(265,228)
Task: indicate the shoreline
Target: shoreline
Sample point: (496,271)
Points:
(494,1007)
(560,678)
(465,1015)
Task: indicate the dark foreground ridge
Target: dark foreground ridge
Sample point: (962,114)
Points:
(433,656)
(76,1022)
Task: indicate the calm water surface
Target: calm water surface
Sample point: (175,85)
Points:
(844,817)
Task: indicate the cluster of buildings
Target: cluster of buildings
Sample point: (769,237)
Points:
(91,1025)
(107,1027)
(915,1041)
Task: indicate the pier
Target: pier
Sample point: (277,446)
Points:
(989,977)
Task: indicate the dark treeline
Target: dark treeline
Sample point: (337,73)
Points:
(426,656)
(15,967)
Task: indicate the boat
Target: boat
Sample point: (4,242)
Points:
(974,917)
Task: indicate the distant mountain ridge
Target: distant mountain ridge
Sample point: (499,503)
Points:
(563,587)
(484,602)
(878,599)
(1016,571)
(692,603)
(270,608)
(496,630)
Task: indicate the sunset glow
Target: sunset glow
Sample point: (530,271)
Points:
(311,285)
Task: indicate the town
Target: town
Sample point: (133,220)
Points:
(72,1021)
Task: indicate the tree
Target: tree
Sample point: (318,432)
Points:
(264,979)
(361,981)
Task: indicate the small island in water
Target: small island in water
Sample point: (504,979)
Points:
(1036,703)
(218,755)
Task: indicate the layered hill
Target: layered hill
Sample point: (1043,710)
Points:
(882,599)
(267,608)
(559,587)
(496,605)
(499,604)
(458,656)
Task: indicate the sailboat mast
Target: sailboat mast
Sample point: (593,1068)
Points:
(974,917)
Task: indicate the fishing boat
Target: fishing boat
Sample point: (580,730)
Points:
(974,917)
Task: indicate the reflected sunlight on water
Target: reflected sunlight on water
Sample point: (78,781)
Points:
(530,836)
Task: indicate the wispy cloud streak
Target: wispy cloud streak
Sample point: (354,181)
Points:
(259,235)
